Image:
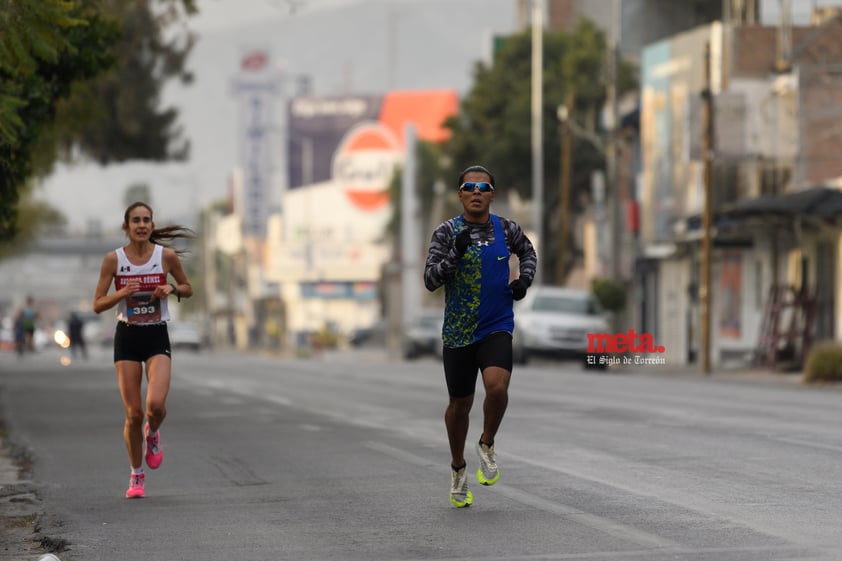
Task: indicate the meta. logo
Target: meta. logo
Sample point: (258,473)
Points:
(630,342)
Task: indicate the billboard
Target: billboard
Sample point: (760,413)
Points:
(357,141)
(255,90)
(316,127)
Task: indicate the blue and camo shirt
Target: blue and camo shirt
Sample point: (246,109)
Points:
(478,300)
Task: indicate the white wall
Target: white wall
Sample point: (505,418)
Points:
(323,237)
(672,311)
(753,275)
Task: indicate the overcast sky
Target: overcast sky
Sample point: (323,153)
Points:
(801,10)
(215,15)
(343,46)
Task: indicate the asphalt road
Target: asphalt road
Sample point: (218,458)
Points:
(344,457)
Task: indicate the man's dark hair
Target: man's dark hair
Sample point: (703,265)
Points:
(467,170)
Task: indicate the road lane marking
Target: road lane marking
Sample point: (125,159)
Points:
(604,525)
(666,554)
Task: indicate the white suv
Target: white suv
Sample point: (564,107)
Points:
(555,320)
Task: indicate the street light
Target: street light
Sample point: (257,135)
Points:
(537,133)
(565,179)
(611,152)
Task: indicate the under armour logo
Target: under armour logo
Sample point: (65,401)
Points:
(485,243)
(125,268)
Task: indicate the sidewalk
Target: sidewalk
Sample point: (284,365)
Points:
(19,507)
(736,374)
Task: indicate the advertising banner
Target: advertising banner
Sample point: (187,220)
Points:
(357,142)
(255,89)
(317,125)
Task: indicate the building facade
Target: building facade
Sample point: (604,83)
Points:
(774,187)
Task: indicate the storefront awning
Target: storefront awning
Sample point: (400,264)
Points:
(816,202)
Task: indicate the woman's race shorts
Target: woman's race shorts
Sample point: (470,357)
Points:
(138,343)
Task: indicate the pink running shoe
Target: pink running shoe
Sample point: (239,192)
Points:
(154,454)
(135,490)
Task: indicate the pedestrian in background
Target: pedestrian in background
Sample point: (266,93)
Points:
(29,317)
(20,334)
(469,256)
(75,327)
(139,271)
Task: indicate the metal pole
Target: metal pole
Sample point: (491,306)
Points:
(537,132)
(565,173)
(611,144)
(705,268)
(410,252)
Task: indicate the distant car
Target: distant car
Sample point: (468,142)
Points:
(185,335)
(556,320)
(372,335)
(423,335)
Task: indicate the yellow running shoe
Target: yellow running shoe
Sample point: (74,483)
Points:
(460,495)
(488,472)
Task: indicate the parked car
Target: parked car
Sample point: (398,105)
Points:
(373,335)
(555,320)
(423,335)
(185,335)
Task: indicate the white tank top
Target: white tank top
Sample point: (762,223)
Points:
(138,309)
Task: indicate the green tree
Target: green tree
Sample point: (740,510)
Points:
(610,292)
(44,48)
(85,78)
(118,116)
(493,127)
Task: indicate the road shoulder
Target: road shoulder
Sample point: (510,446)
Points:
(19,505)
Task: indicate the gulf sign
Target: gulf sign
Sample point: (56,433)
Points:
(364,164)
(357,141)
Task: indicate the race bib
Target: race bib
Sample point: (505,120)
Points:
(140,308)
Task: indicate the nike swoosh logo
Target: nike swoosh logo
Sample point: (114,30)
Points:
(503,257)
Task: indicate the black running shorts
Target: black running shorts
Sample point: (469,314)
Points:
(138,343)
(462,364)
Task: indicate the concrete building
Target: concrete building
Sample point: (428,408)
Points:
(774,186)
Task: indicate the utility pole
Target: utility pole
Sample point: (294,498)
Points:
(705,266)
(565,180)
(537,124)
(611,144)
(410,247)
